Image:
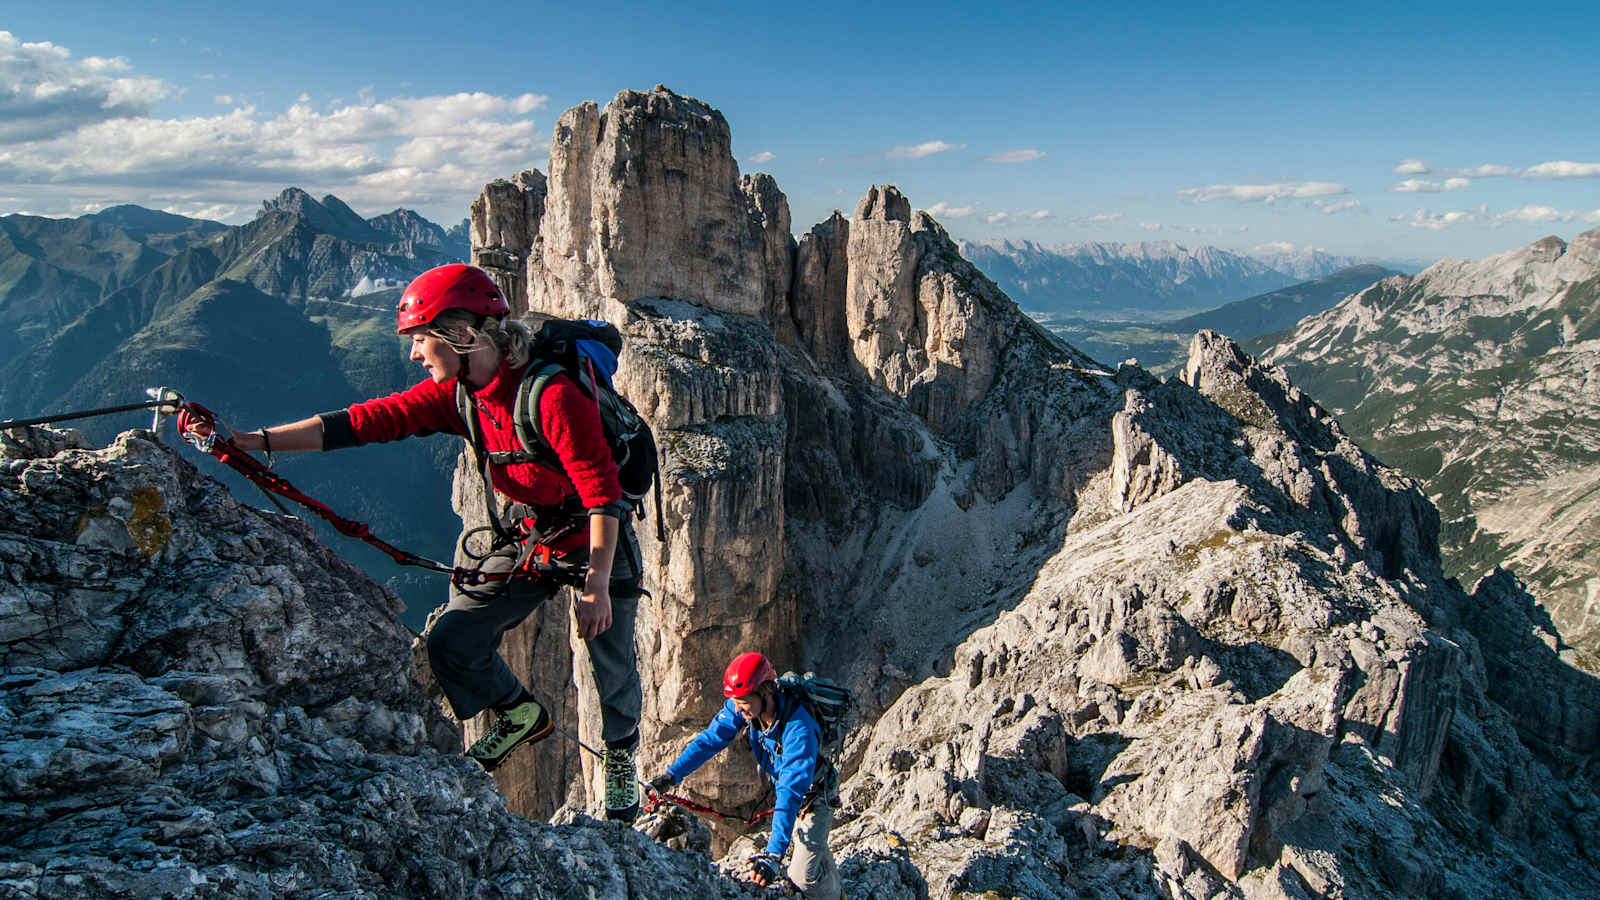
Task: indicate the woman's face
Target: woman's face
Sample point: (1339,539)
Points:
(436,356)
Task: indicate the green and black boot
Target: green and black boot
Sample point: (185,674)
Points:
(622,779)
(521,723)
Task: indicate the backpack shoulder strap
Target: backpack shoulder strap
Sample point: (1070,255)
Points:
(469,416)
(534,380)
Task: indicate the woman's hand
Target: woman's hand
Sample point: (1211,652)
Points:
(593,609)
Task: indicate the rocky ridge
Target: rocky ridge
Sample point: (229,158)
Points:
(1482,378)
(1112,635)
(200,700)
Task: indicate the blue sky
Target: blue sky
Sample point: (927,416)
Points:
(1394,131)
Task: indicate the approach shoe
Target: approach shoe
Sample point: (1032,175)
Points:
(521,724)
(622,784)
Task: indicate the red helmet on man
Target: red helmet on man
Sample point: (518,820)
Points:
(747,672)
(455,286)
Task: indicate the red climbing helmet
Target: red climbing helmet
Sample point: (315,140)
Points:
(455,286)
(747,672)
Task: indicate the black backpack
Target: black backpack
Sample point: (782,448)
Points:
(826,700)
(586,351)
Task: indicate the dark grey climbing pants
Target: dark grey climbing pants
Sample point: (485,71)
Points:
(464,642)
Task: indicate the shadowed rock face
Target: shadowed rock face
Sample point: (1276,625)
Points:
(1109,634)
(198,699)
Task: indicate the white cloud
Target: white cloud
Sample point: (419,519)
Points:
(1045,214)
(375,154)
(945,210)
(44,93)
(1419,186)
(1593,216)
(999,218)
(1263,193)
(1274,247)
(1486,171)
(763,156)
(1422,218)
(1411,167)
(919,151)
(1330,207)
(303,98)
(1015,156)
(1533,214)
(1563,169)
(1150,226)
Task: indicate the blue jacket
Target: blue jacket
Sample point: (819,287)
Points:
(786,754)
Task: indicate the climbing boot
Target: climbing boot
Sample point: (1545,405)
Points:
(524,723)
(622,782)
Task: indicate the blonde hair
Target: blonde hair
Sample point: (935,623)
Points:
(461,330)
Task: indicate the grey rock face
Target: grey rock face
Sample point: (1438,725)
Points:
(645,201)
(504,226)
(1109,635)
(199,700)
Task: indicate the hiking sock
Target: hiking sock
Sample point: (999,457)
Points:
(622,778)
(524,721)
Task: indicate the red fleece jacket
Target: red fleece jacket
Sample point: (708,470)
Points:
(569,418)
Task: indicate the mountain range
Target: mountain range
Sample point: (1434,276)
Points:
(1144,281)
(1108,634)
(300,299)
(1160,346)
(1482,378)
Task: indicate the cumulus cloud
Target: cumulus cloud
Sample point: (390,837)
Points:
(1043,214)
(1418,185)
(1150,226)
(1015,156)
(1330,207)
(1533,214)
(1275,247)
(999,218)
(1422,218)
(375,153)
(946,211)
(763,156)
(45,93)
(919,151)
(1263,193)
(1487,170)
(1563,169)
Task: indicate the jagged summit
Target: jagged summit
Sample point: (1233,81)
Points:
(329,216)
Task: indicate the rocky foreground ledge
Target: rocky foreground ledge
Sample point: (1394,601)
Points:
(197,699)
